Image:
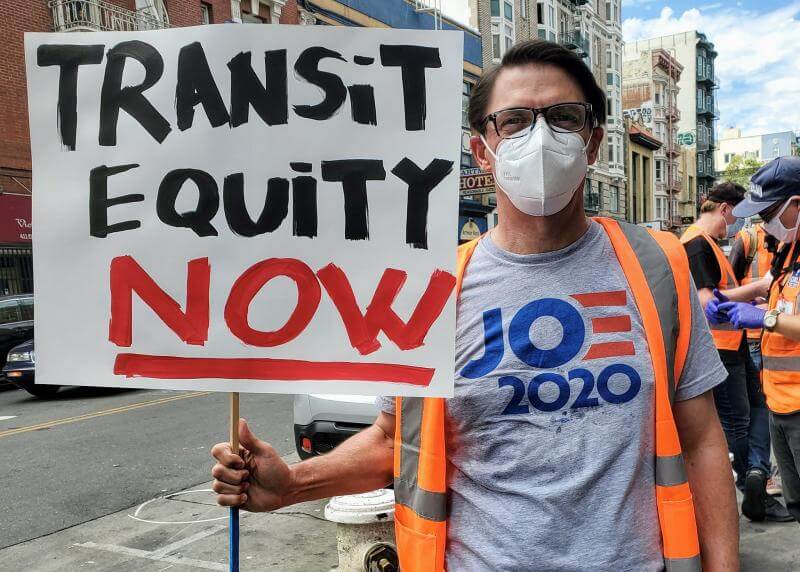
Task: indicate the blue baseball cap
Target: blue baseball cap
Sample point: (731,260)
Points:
(776,181)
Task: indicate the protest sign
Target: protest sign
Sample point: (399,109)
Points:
(233,208)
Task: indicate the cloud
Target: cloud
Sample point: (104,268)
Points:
(632,3)
(757,64)
(458,10)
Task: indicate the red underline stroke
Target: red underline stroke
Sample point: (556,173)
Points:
(267,369)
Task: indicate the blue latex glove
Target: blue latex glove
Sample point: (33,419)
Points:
(714,313)
(743,315)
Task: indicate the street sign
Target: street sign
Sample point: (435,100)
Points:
(476,182)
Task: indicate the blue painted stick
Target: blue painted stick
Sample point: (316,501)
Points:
(233,522)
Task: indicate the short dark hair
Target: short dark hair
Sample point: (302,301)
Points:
(727,192)
(543,53)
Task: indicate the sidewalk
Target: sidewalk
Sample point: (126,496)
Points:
(297,539)
(294,539)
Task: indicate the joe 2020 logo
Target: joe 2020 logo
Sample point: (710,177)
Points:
(616,383)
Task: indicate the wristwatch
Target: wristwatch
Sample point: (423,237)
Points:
(771,320)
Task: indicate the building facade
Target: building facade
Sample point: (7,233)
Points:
(591,28)
(696,98)
(650,89)
(640,149)
(762,148)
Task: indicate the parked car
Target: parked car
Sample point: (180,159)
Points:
(20,370)
(321,422)
(16,322)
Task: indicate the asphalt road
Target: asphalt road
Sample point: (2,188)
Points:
(91,452)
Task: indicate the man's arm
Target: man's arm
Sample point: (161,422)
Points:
(709,471)
(259,480)
(789,326)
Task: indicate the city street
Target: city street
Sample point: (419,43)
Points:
(91,452)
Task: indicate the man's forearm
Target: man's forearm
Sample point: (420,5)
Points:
(362,463)
(709,472)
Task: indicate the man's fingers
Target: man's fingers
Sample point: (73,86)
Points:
(224,488)
(231,500)
(222,452)
(228,475)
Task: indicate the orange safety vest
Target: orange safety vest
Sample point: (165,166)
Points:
(726,337)
(781,356)
(762,260)
(657,270)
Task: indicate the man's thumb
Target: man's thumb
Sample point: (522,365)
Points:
(247,439)
(720,296)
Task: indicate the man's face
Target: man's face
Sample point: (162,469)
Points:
(532,86)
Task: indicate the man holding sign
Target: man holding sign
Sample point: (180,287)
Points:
(582,433)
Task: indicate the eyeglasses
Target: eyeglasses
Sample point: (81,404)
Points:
(771,211)
(562,117)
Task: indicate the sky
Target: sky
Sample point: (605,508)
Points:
(758,42)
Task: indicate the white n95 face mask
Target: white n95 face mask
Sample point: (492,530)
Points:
(540,171)
(775,226)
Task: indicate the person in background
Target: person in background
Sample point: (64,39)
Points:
(775,196)
(751,259)
(740,393)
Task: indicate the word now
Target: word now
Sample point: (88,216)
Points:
(196,86)
(353,175)
(191,325)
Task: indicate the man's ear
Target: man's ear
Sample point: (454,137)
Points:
(479,153)
(594,145)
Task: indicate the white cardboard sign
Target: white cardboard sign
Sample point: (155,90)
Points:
(246,208)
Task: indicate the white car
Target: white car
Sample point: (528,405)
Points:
(321,422)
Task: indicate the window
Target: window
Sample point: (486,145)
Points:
(9,312)
(610,152)
(599,195)
(508,10)
(609,107)
(523,9)
(206,13)
(26,308)
(661,208)
(613,199)
(495,4)
(608,10)
(609,59)
(466,90)
(542,34)
(509,43)
(539,13)
(552,14)
(466,160)
(659,171)
(609,79)
(496,54)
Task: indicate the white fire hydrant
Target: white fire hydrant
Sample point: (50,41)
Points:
(364,531)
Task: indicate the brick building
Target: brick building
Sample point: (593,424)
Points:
(16,183)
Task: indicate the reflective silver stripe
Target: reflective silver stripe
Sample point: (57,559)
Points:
(426,504)
(670,471)
(785,363)
(692,564)
(658,273)
(410,423)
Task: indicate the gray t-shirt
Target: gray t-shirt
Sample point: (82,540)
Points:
(550,434)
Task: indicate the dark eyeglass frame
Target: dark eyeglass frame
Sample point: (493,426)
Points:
(771,211)
(543,112)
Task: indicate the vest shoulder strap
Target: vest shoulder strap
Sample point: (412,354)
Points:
(751,245)
(464,253)
(664,267)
